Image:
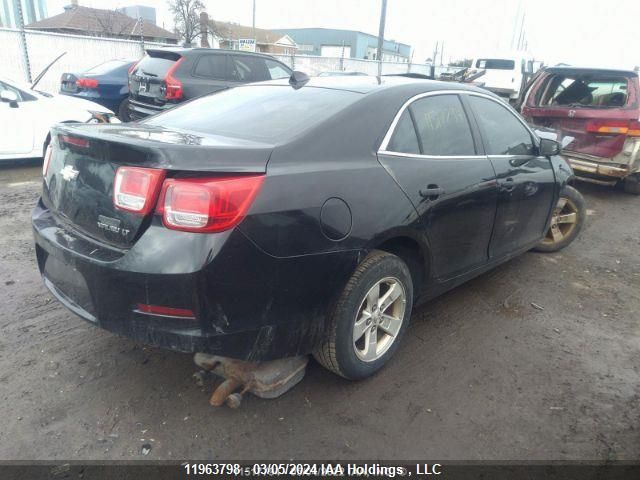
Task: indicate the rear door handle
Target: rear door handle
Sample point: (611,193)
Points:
(432,192)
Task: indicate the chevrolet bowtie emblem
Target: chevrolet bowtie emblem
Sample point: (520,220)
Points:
(69,173)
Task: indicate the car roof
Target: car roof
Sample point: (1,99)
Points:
(186,51)
(569,70)
(368,84)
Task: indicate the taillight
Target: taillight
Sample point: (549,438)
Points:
(133,67)
(207,205)
(87,83)
(614,127)
(75,141)
(173,87)
(135,189)
(47,159)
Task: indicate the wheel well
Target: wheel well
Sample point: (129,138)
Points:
(46,144)
(412,254)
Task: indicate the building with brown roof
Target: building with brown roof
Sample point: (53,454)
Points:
(229,35)
(97,22)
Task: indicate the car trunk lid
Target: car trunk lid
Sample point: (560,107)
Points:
(79,178)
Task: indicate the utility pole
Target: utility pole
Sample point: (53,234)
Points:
(254,21)
(441,53)
(383,19)
(435,55)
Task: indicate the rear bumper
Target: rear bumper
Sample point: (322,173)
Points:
(112,103)
(605,172)
(246,304)
(139,110)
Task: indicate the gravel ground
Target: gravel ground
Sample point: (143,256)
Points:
(482,373)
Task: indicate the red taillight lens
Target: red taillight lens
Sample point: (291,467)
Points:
(165,311)
(133,67)
(207,205)
(173,86)
(634,129)
(75,141)
(135,189)
(87,83)
(47,159)
(614,127)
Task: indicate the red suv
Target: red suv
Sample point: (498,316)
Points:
(597,113)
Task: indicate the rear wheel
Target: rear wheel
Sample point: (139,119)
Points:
(123,111)
(566,221)
(631,184)
(369,318)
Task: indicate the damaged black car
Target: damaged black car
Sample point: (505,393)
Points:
(287,218)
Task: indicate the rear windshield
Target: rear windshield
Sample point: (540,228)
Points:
(109,66)
(156,66)
(258,112)
(495,64)
(593,91)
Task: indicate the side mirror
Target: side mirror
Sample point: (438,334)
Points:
(10,97)
(548,148)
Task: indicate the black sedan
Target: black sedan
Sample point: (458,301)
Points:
(287,218)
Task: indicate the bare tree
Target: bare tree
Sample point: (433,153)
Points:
(186,16)
(113,23)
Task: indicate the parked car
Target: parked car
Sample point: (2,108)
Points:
(340,73)
(26,116)
(504,73)
(166,77)
(106,84)
(273,220)
(597,112)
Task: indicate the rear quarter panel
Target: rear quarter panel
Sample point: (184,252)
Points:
(337,160)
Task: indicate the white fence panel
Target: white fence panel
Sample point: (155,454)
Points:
(82,53)
(11,64)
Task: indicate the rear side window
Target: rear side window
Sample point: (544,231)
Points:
(155,66)
(404,138)
(503,133)
(211,66)
(248,69)
(110,66)
(443,127)
(594,91)
(495,64)
(277,70)
(257,112)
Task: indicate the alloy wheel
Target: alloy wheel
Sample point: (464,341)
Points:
(563,221)
(379,319)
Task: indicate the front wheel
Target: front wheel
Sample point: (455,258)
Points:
(566,221)
(371,315)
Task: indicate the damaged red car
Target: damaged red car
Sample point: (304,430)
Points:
(597,113)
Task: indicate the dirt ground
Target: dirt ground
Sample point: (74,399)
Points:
(482,374)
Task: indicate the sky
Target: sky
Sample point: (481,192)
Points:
(578,32)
